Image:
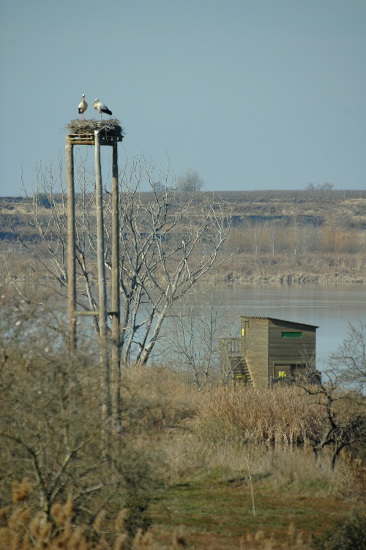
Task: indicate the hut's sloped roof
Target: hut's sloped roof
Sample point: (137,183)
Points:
(278,320)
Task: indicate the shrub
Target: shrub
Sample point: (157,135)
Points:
(281,416)
(348,534)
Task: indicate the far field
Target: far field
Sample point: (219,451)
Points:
(276,237)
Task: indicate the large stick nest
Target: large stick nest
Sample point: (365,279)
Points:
(111,127)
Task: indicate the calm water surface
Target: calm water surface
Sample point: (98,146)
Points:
(331,308)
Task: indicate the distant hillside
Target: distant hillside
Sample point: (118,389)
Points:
(343,209)
(286,237)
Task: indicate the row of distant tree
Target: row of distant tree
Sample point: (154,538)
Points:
(275,237)
(189,182)
(322,187)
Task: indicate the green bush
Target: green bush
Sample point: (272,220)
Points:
(348,534)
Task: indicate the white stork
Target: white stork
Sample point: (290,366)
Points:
(82,106)
(99,106)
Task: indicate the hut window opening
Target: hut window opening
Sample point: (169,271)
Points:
(292,371)
(292,335)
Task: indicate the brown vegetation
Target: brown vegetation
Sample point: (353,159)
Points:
(281,237)
(226,467)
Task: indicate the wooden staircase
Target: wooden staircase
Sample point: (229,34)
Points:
(241,372)
(231,354)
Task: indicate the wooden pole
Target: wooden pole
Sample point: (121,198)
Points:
(116,354)
(71,263)
(102,289)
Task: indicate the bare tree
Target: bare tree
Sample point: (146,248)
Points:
(57,449)
(343,416)
(168,242)
(349,361)
(341,396)
(190,182)
(192,336)
(40,437)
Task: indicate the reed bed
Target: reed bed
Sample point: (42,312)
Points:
(157,399)
(279,416)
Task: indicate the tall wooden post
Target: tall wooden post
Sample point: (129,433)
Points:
(71,263)
(98,133)
(104,356)
(116,354)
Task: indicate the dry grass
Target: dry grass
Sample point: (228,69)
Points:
(287,268)
(274,469)
(213,457)
(232,432)
(157,400)
(21,528)
(278,416)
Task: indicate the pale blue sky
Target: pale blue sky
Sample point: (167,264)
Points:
(252,94)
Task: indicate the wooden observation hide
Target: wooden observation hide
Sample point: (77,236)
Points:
(271,351)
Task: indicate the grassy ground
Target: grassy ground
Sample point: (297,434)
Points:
(223,508)
(223,492)
(220,515)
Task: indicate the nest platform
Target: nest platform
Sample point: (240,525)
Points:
(82,132)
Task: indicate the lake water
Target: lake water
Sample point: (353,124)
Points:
(331,308)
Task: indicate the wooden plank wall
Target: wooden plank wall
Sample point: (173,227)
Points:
(290,350)
(255,347)
(263,346)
